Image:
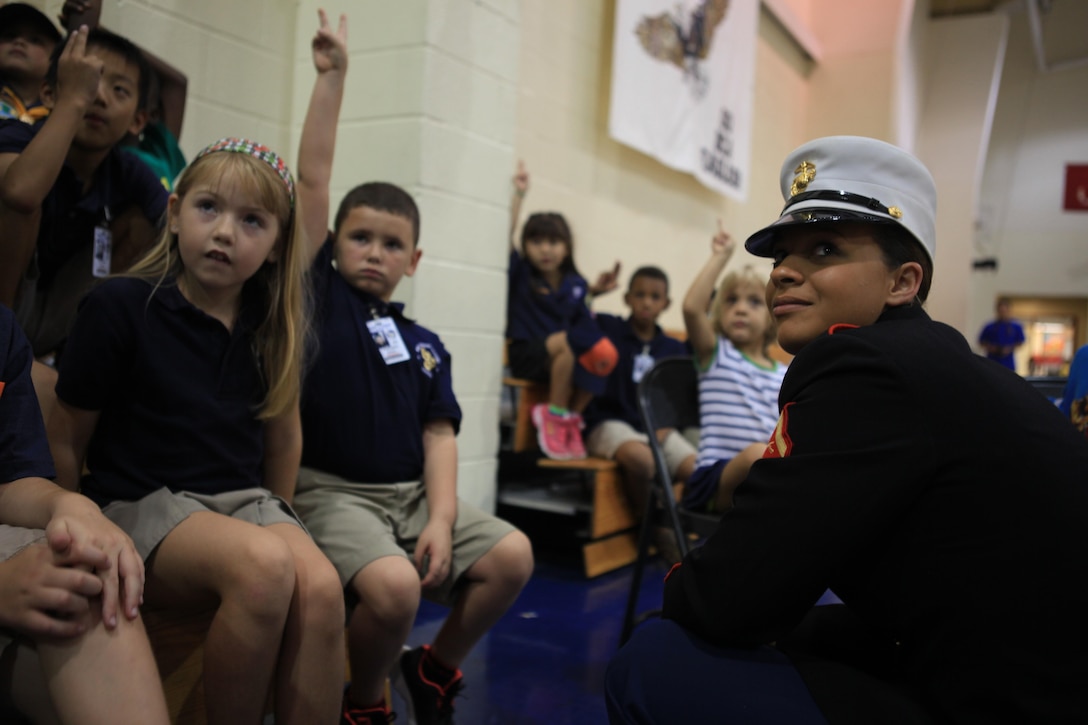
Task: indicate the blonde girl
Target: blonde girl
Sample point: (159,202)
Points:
(178,391)
(738,380)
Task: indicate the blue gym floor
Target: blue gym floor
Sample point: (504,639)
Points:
(544,662)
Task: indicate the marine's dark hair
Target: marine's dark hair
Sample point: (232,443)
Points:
(649,272)
(899,247)
(99,38)
(550,225)
(381,196)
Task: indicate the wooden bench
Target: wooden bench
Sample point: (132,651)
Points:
(529,393)
(612,532)
(612,539)
(177,641)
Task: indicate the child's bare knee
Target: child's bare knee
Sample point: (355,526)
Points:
(324,596)
(636,460)
(514,562)
(263,575)
(389,590)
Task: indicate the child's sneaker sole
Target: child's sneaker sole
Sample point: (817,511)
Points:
(576,447)
(542,419)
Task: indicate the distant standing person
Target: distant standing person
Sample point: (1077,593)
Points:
(1002,336)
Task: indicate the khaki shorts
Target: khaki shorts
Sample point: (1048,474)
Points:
(607,437)
(149,519)
(357,523)
(14,539)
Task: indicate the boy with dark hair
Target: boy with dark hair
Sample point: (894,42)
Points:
(72,205)
(613,419)
(157,144)
(378,485)
(948,520)
(27,40)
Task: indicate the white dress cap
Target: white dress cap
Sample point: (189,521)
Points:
(854,179)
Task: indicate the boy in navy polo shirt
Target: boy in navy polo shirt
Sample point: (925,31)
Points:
(378,487)
(72,206)
(612,418)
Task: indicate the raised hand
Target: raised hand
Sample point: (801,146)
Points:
(78,72)
(606,281)
(521,179)
(722,243)
(79,12)
(330,48)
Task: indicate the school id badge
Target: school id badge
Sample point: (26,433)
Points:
(103,252)
(643,363)
(387,337)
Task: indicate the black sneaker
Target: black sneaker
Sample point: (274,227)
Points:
(428,702)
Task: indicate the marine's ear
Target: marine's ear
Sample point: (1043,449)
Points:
(905,283)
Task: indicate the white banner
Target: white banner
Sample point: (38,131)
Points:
(683,76)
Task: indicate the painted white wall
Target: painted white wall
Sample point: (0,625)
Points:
(911,37)
(853,90)
(1039,126)
(965,57)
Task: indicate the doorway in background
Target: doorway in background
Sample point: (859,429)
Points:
(1054,327)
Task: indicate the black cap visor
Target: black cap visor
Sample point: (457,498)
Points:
(761,243)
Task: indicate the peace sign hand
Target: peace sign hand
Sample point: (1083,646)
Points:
(330,48)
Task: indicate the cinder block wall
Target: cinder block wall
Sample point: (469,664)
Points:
(430,105)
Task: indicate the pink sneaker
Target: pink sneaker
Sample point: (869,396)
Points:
(551,432)
(576,447)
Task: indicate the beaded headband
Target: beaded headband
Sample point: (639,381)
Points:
(257,151)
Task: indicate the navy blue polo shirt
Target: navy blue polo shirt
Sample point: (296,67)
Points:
(68,215)
(362,419)
(533,309)
(24,450)
(620,398)
(177,392)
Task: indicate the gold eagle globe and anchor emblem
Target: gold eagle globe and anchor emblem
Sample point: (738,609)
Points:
(805,173)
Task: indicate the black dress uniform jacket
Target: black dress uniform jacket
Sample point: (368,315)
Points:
(942,498)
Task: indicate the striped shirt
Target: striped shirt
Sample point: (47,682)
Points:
(738,404)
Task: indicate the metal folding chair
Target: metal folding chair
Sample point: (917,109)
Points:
(668,397)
